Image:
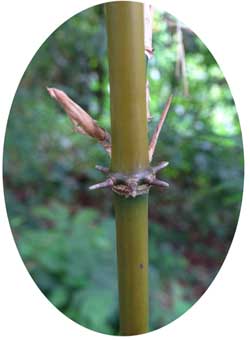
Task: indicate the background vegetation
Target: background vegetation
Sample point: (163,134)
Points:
(65,233)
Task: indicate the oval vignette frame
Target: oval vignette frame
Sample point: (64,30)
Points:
(70,19)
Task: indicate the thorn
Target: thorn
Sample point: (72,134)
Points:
(105,184)
(103,169)
(157,130)
(159,167)
(148,179)
(159,183)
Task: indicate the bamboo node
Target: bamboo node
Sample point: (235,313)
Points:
(131,185)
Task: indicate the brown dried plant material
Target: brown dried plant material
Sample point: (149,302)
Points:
(82,121)
(148,29)
(148,32)
(149,117)
(157,130)
(181,60)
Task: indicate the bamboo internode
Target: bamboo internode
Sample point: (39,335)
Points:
(125,27)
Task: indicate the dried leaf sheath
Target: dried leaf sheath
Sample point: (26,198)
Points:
(154,139)
(148,29)
(82,121)
(148,32)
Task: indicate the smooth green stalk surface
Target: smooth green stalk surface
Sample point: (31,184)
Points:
(127,86)
(132,248)
(125,27)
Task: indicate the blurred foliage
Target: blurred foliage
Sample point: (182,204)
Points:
(65,233)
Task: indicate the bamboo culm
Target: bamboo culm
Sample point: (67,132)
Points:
(125,28)
(130,177)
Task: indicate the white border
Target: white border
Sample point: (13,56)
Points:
(222,311)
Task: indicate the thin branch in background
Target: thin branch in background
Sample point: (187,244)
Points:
(158,128)
(81,120)
(148,31)
(181,71)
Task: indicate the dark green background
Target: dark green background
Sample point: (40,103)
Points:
(66,234)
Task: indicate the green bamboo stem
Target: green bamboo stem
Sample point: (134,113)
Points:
(125,28)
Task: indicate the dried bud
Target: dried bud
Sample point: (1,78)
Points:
(82,121)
